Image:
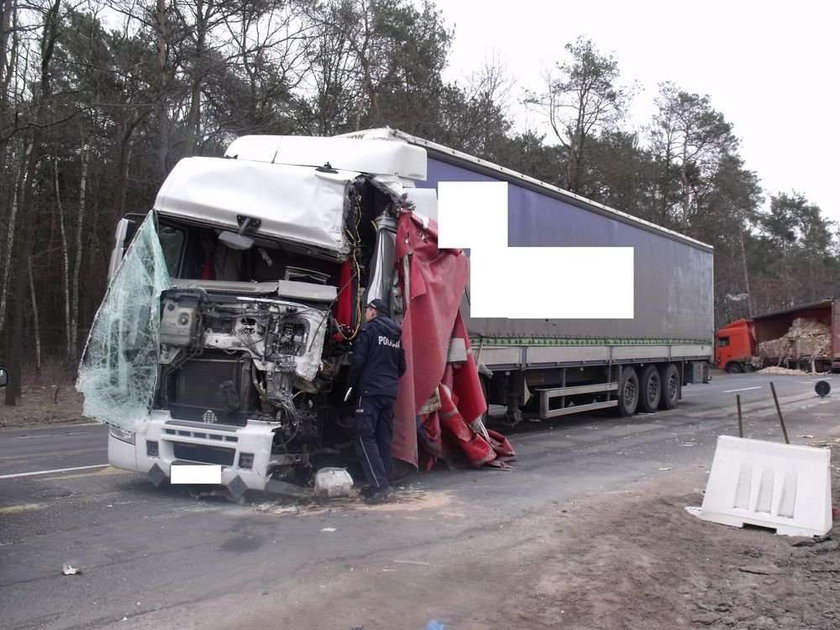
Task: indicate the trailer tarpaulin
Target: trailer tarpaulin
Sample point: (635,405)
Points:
(439,399)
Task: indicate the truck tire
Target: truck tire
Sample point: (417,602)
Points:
(650,390)
(733,367)
(628,392)
(669,376)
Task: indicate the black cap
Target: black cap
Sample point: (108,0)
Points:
(379,305)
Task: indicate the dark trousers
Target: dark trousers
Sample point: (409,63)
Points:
(373,424)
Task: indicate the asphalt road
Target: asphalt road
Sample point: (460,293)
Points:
(153,558)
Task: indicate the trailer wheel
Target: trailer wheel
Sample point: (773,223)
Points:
(733,367)
(628,392)
(650,392)
(669,376)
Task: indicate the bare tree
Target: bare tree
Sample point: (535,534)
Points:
(65,267)
(690,139)
(582,97)
(33,296)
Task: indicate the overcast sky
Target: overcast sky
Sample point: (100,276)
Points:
(771,68)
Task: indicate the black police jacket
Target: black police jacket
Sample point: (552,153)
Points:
(378,359)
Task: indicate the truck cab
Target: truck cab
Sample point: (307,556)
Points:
(735,346)
(225,335)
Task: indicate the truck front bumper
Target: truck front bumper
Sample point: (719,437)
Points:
(243,453)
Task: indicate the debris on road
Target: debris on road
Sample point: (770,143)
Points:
(276,509)
(70,570)
(760,570)
(781,371)
(664,469)
(328,529)
(333,482)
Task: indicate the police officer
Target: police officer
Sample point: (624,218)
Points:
(378,363)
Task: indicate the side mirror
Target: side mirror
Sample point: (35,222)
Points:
(235,241)
(4,377)
(238,240)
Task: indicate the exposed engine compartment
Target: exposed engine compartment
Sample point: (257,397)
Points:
(227,358)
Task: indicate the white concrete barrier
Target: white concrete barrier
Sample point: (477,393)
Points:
(786,487)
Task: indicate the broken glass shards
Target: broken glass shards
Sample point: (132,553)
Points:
(119,367)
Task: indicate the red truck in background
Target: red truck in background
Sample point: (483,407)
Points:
(806,337)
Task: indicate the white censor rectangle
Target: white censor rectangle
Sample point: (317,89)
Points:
(195,474)
(530,282)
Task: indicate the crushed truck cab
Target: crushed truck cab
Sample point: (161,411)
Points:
(226,332)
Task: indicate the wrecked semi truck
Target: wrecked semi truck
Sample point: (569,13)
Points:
(226,332)
(803,337)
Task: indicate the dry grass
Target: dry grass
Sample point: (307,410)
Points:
(48,398)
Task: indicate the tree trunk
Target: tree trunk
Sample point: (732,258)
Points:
(65,268)
(77,262)
(202,12)
(126,146)
(193,117)
(35,323)
(14,347)
(7,7)
(163,114)
(746,271)
(10,236)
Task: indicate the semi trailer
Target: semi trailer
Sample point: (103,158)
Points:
(226,332)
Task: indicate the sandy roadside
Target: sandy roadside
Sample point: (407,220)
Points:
(629,559)
(44,402)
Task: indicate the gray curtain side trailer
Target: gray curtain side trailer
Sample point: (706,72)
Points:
(561,367)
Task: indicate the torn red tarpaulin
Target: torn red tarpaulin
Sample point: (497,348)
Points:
(458,424)
(435,285)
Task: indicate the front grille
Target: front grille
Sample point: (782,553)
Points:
(214,388)
(202,436)
(204,454)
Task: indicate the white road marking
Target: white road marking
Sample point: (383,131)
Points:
(47,472)
(743,389)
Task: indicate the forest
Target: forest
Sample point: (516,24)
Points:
(100,98)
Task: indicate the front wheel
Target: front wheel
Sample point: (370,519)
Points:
(628,392)
(733,367)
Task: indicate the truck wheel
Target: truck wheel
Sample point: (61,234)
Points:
(733,367)
(669,376)
(628,392)
(650,392)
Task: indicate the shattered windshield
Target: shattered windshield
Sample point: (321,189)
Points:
(119,366)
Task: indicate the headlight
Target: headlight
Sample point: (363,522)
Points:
(122,435)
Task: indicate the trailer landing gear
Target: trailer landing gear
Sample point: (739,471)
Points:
(513,416)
